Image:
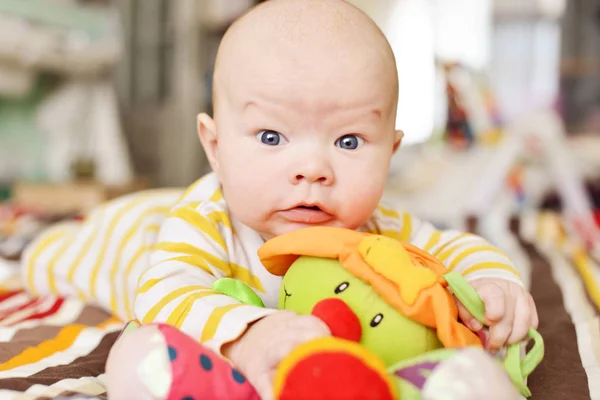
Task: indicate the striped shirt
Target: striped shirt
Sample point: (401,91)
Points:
(141,257)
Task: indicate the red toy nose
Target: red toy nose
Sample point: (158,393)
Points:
(340,319)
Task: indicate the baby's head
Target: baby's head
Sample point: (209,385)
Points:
(305,96)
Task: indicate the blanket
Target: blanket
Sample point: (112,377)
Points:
(54,348)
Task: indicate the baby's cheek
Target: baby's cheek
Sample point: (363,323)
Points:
(357,203)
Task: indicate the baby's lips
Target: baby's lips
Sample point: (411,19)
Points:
(339,318)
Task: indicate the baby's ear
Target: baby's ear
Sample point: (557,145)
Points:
(398,135)
(207,132)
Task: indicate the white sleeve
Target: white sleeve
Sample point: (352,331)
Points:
(190,255)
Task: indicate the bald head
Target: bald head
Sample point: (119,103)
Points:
(303,39)
(305,97)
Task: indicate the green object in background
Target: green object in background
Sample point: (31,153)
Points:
(90,20)
(5,193)
(22,146)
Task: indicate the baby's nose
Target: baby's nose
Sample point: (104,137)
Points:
(325,180)
(339,318)
(315,170)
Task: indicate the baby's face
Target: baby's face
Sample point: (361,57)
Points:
(304,140)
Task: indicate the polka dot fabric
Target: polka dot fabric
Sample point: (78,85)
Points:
(200,374)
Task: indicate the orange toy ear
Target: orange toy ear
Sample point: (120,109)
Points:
(332,369)
(279,253)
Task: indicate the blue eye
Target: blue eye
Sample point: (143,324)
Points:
(271,138)
(349,142)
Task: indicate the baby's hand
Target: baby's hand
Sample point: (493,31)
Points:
(259,351)
(509,311)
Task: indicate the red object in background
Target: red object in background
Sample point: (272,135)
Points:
(597,217)
(339,318)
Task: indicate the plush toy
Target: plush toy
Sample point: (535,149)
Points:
(394,323)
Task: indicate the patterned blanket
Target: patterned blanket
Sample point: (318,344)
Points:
(53,348)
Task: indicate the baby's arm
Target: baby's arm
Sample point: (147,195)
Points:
(190,255)
(510,310)
(465,253)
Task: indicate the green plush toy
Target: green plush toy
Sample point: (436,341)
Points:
(394,322)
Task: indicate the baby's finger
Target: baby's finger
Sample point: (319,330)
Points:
(500,332)
(534,315)
(522,320)
(280,349)
(299,330)
(467,318)
(495,302)
(264,386)
(310,327)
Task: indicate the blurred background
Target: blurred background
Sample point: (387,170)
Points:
(499,99)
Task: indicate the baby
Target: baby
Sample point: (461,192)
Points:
(305,96)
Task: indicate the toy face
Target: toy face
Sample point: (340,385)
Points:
(384,330)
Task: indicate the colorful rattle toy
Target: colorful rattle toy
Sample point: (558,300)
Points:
(393,319)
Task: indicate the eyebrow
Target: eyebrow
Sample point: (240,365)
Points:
(350,114)
(375,111)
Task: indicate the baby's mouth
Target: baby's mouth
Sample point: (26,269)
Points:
(307,214)
(316,208)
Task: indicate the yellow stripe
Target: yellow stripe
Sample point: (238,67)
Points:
(43,245)
(391,234)
(443,251)
(110,321)
(491,265)
(153,228)
(124,242)
(148,285)
(563,236)
(194,204)
(180,313)
(444,255)
(156,309)
(405,232)
(194,218)
(470,251)
(216,196)
(81,294)
(62,341)
(194,261)
(52,264)
(583,264)
(210,328)
(406,227)
(217,217)
(230,269)
(388,213)
(95,224)
(108,236)
(433,240)
(126,274)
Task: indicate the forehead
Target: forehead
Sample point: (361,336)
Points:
(313,81)
(322,75)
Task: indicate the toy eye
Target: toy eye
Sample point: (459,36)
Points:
(376,320)
(341,287)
